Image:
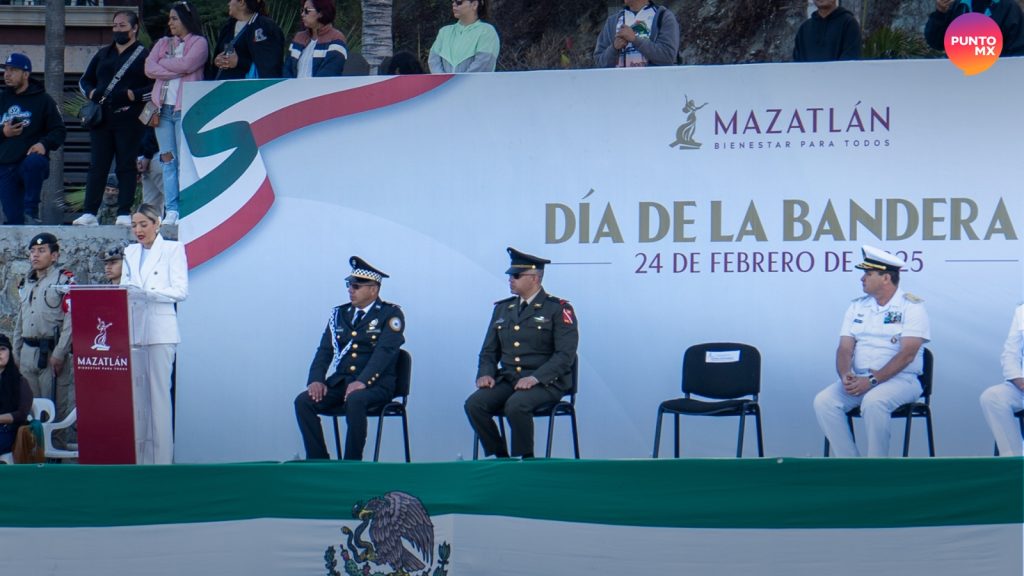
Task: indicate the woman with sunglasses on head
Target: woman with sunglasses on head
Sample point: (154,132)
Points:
(469,45)
(250,44)
(158,268)
(318,49)
(175,59)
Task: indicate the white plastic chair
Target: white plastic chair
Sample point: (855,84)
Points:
(44,411)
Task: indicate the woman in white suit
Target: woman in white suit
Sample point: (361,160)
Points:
(159,269)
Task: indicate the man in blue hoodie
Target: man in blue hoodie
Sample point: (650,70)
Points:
(32,127)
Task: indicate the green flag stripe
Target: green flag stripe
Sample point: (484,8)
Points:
(764,493)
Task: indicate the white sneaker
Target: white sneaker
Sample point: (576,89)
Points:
(86,220)
(171,217)
(123,220)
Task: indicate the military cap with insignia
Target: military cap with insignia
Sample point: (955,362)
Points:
(523,262)
(363,273)
(44,238)
(113,253)
(878,259)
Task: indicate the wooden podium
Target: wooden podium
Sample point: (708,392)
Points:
(104,359)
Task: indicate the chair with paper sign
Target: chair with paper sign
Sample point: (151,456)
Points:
(727,374)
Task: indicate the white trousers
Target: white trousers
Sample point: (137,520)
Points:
(998,404)
(154,439)
(876,407)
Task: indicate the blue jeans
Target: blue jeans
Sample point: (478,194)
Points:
(168,134)
(21,185)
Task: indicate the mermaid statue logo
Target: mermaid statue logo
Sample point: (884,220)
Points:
(684,133)
(99,343)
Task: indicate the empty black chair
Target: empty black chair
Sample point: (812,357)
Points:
(551,410)
(920,409)
(727,373)
(1020,418)
(396,407)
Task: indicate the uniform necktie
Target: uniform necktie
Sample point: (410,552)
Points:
(523,305)
(359,316)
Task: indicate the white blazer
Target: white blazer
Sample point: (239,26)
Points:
(163,278)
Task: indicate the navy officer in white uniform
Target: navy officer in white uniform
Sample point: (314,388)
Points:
(355,364)
(999,402)
(879,357)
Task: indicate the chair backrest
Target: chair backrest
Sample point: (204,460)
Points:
(403,372)
(43,410)
(722,370)
(356,65)
(575,375)
(925,377)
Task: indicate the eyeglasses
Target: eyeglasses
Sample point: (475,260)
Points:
(517,275)
(355,286)
(184,5)
(307,11)
(461,2)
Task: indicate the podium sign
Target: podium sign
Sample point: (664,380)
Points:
(101,340)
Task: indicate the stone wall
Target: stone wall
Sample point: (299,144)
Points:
(79,252)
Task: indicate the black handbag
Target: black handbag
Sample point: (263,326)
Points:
(91,114)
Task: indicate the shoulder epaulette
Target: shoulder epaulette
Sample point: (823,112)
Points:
(392,304)
(509,299)
(913,298)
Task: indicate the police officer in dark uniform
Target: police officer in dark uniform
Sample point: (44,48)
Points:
(361,344)
(526,359)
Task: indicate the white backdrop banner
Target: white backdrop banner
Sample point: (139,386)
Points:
(679,205)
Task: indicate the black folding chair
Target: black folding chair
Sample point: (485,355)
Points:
(550,410)
(918,409)
(396,407)
(729,374)
(1020,418)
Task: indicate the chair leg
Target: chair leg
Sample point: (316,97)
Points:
(380,432)
(337,437)
(476,446)
(739,439)
(676,452)
(760,434)
(405,436)
(575,435)
(551,434)
(906,436)
(931,437)
(657,433)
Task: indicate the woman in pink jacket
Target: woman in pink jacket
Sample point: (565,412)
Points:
(175,59)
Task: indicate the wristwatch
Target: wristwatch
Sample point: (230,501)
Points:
(872,380)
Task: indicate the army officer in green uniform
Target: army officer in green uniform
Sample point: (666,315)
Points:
(526,359)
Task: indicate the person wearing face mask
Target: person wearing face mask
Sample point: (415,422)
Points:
(118,135)
(159,269)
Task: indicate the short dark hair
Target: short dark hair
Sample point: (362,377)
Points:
(326,9)
(404,63)
(894,276)
(481,9)
(189,17)
(256,7)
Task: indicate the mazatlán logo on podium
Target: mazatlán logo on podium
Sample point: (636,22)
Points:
(391,522)
(973,43)
(99,343)
(684,133)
